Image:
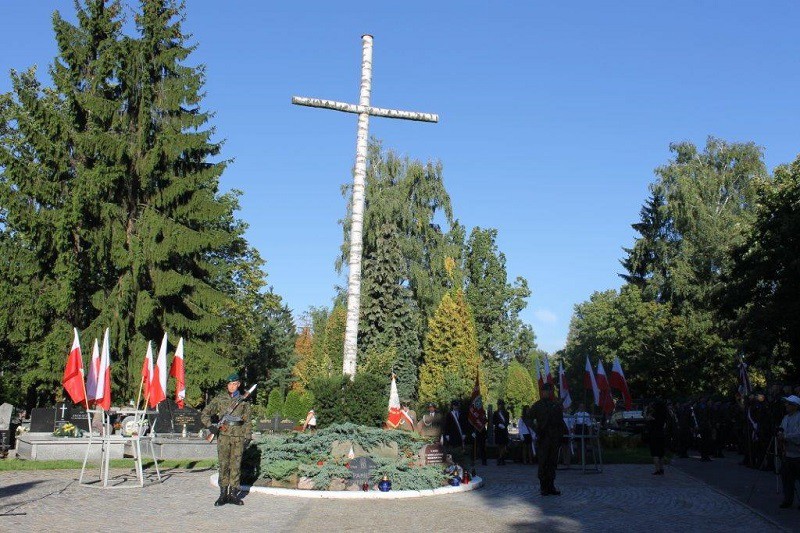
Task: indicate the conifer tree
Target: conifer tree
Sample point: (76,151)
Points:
(519,390)
(451,357)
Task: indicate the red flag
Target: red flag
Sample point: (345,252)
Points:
(177,371)
(395,416)
(158,382)
(147,370)
(73,372)
(103,392)
(477,414)
(590,383)
(606,401)
(618,382)
(566,398)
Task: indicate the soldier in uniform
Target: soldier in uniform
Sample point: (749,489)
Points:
(430,425)
(233,438)
(549,425)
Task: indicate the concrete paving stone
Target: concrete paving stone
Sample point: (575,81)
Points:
(623,497)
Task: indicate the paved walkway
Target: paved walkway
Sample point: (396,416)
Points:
(624,497)
(753,487)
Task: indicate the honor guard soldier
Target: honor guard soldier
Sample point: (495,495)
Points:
(549,421)
(228,417)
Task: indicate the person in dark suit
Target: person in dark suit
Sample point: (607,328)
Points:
(500,421)
(455,427)
(549,425)
(657,416)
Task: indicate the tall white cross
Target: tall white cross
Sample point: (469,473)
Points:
(364,110)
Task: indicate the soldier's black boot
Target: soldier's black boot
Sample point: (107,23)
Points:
(223,497)
(233,496)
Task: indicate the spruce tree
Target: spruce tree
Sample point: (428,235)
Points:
(451,357)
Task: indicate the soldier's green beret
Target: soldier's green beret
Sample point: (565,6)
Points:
(233,377)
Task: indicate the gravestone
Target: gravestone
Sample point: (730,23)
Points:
(170,419)
(432,454)
(43,419)
(6,410)
(361,468)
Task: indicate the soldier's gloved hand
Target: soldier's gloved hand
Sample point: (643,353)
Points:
(214,431)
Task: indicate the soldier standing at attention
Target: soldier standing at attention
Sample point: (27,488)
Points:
(549,425)
(234,434)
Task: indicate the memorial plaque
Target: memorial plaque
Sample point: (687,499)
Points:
(361,468)
(170,419)
(433,454)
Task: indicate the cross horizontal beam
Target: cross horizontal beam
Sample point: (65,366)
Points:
(358,109)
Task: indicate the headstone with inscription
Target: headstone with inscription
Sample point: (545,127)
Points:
(432,454)
(43,420)
(171,419)
(361,468)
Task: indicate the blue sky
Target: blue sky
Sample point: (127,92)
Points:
(553,116)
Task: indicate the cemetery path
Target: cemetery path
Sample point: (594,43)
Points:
(623,496)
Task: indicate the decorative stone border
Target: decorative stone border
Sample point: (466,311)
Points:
(476,483)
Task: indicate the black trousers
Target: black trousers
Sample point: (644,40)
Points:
(547,449)
(790,474)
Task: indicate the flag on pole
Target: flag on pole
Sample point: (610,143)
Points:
(147,370)
(619,382)
(589,382)
(73,372)
(477,414)
(94,373)
(177,371)
(539,379)
(548,376)
(103,394)
(563,390)
(744,380)
(395,416)
(606,401)
(158,382)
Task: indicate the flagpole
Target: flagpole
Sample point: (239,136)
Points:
(139,394)
(86,401)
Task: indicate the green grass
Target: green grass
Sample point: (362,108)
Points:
(183,464)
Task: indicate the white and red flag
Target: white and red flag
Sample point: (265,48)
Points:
(73,372)
(178,372)
(539,378)
(563,390)
(619,382)
(147,370)
(477,414)
(548,376)
(589,382)
(606,401)
(102,395)
(158,381)
(94,372)
(395,416)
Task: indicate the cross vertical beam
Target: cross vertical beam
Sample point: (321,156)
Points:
(364,110)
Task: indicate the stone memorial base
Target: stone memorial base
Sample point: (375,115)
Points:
(167,447)
(475,484)
(46,447)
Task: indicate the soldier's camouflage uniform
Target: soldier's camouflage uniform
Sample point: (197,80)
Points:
(230,445)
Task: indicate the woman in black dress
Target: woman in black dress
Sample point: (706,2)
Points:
(500,422)
(657,417)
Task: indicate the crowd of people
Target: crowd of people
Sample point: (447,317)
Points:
(762,427)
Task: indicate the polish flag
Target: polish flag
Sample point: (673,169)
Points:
(158,381)
(618,382)
(566,398)
(606,401)
(539,378)
(395,416)
(147,370)
(73,372)
(94,374)
(548,376)
(103,394)
(589,382)
(177,371)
